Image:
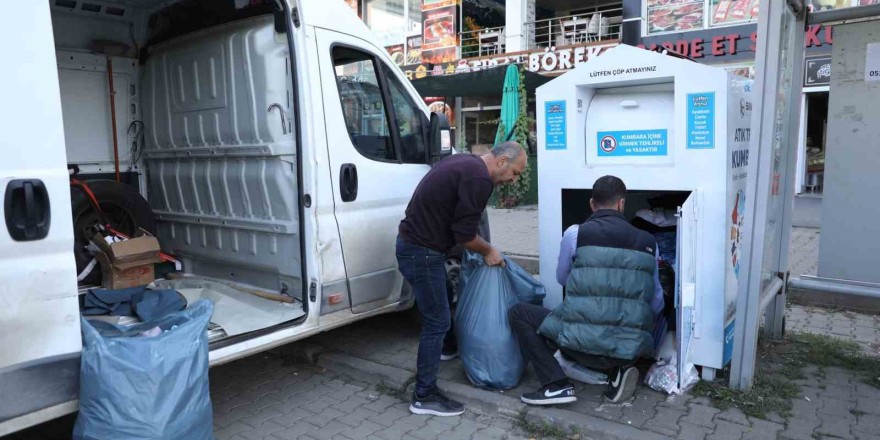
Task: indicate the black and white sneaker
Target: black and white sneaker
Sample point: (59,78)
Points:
(449,354)
(551,395)
(622,383)
(435,404)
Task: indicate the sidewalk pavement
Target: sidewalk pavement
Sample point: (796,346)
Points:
(832,404)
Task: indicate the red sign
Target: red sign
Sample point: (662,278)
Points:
(721,45)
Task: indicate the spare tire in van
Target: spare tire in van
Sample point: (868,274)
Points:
(125,209)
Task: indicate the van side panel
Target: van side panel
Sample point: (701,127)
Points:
(220,153)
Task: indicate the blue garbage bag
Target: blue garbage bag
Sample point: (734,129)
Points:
(146,387)
(486,344)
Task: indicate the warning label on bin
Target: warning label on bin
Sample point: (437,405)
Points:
(632,143)
(554,117)
(701,120)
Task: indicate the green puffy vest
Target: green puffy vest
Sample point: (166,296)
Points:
(607,308)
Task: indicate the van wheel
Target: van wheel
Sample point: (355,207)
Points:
(453,278)
(125,209)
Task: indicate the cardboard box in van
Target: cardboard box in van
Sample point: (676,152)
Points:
(128,263)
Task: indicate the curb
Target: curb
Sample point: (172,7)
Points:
(529,263)
(486,401)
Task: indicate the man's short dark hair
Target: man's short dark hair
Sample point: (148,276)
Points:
(608,190)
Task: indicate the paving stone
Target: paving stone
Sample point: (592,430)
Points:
(297,415)
(350,404)
(689,431)
(466,428)
(431,430)
(389,416)
(666,421)
(296,431)
(262,431)
(325,415)
(395,431)
(357,417)
(701,415)
(762,429)
(836,407)
(733,415)
(363,430)
(231,430)
(328,430)
(867,423)
(835,425)
(725,430)
(489,434)
(258,417)
(382,403)
(805,409)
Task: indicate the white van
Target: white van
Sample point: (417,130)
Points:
(272,144)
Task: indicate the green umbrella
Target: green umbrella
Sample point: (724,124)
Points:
(509,105)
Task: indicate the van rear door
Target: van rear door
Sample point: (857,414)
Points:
(39,314)
(375,134)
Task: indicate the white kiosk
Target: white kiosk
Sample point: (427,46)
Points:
(677,133)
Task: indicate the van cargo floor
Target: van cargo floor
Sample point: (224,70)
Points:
(235,311)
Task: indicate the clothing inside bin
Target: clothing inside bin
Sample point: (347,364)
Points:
(134,301)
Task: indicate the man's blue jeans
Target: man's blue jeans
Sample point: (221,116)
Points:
(425,270)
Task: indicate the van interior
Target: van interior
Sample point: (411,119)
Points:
(178,117)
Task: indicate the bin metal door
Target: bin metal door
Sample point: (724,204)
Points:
(686,280)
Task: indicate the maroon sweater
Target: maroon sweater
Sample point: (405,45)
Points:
(445,209)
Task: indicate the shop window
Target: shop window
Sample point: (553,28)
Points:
(362,104)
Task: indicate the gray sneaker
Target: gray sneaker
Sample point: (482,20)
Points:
(435,404)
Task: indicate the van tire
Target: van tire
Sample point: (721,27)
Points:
(125,208)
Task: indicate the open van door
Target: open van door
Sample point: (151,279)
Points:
(39,313)
(376,135)
(685,281)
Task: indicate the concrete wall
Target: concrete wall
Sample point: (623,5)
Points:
(850,210)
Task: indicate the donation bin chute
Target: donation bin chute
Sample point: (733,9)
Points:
(677,133)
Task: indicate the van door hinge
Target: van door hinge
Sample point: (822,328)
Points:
(294,15)
(313,292)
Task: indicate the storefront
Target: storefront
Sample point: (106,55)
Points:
(475,111)
(723,33)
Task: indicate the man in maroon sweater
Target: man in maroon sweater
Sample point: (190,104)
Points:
(445,211)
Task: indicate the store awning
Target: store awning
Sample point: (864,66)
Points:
(480,83)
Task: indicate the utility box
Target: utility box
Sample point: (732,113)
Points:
(677,133)
(128,263)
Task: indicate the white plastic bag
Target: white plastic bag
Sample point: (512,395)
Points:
(663,376)
(579,372)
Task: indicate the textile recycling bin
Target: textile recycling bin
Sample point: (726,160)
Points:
(677,133)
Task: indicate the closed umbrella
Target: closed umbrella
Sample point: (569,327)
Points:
(509,105)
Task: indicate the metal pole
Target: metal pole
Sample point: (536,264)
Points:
(834,287)
(776,26)
(844,14)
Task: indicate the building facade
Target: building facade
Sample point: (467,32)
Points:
(549,37)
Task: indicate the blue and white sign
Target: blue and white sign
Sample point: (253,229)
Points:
(701,120)
(728,342)
(554,118)
(632,143)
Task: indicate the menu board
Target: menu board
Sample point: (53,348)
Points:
(413,50)
(396,53)
(675,15)
(439,33)
(734,11)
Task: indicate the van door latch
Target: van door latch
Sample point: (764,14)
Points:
(27,208)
